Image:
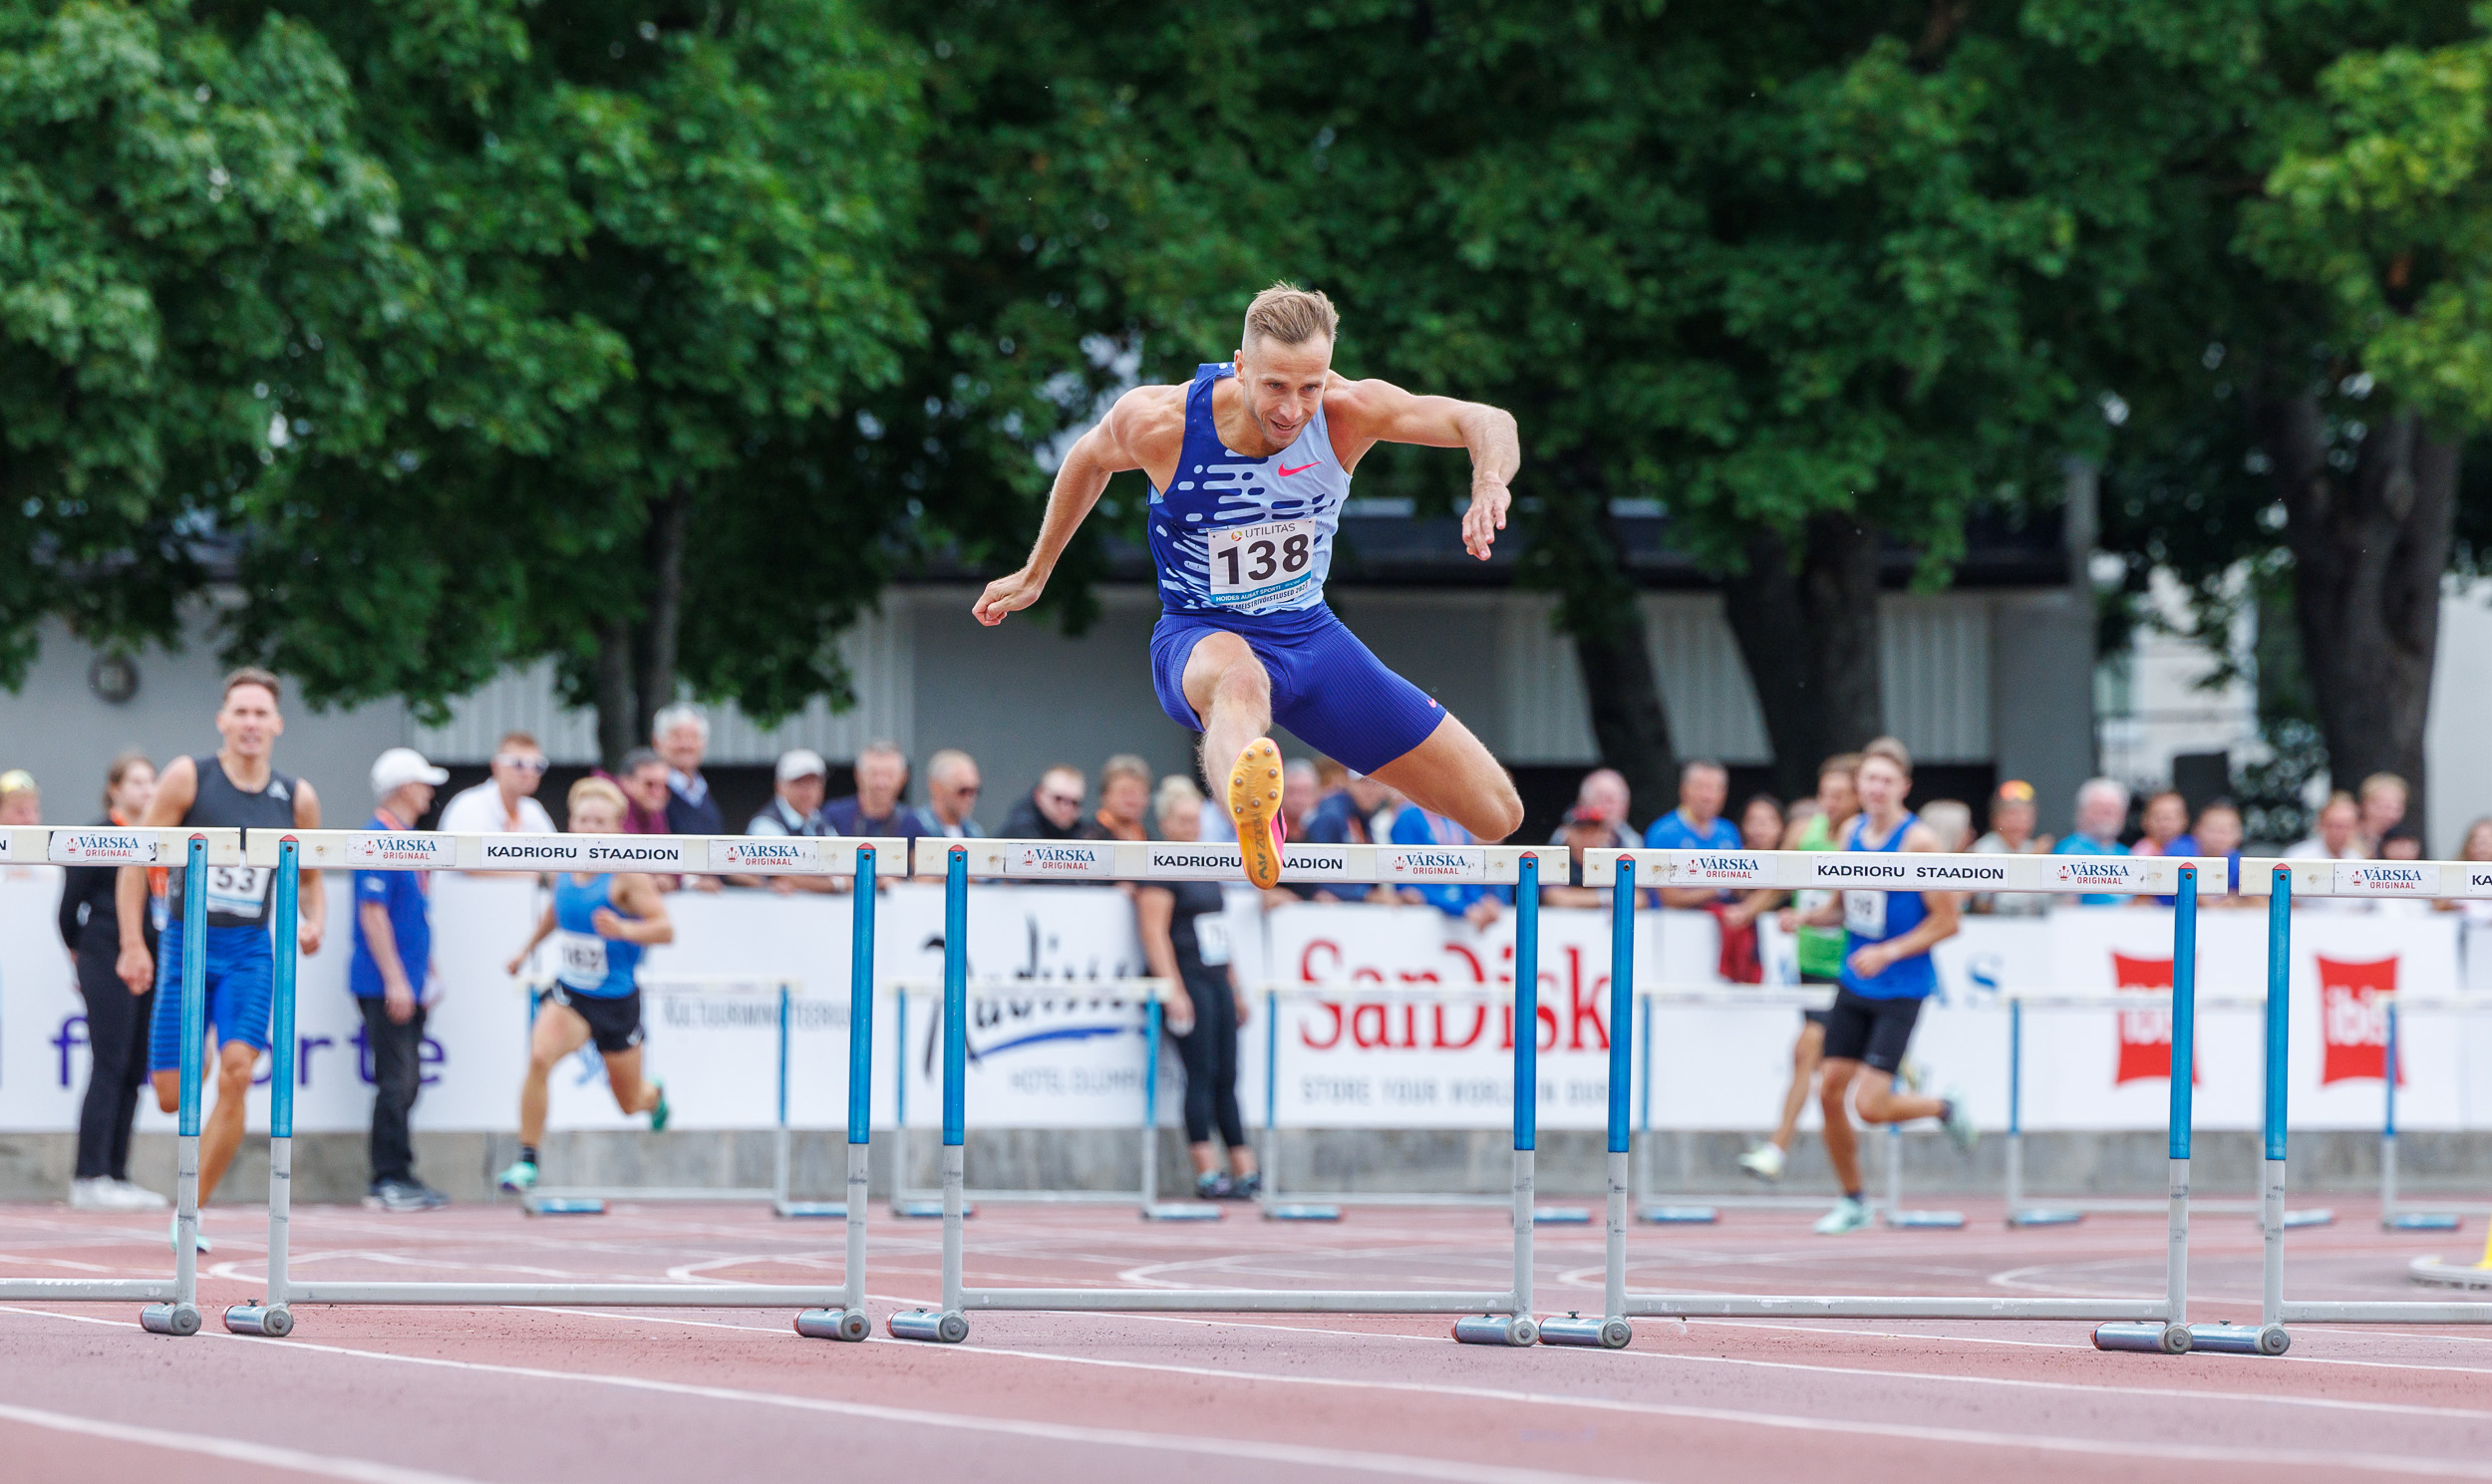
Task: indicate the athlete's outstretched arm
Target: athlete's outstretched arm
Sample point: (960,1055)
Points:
(1106,449)
(1379,411)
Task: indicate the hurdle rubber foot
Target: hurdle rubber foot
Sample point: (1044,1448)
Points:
(849,1324)
(1296,1212)
(2420,1221)
(925,1323)
(813,1210)
(1183,1211)
(563,1205)
(1592,1334)
(169,1318)
(2146,1337)
(2434,1273)
(275,1322)
(2041,1217)
(2317,1216)
(930,1210)
(1679,1215)
(2240,1339)
(1496,1329)
(1561,1216)
(1925,1221)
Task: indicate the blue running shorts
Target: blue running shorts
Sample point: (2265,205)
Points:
(1327,689)
(240,991)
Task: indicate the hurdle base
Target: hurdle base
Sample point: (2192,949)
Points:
(849,1324)
(2044,1216)
(811,1210)
(1301,1211)
(929,1209)
(1496,1329)
(2421,1221)
(1561,1216)
(169,1318)
(1925,1221)
(563,1205)
(2314,1217)
(949,1328)
(2240,1339)
(1183,1211)
(274,1320)
(1679,1215)
(2148,1338)
(2434,1273)
(1591,1333)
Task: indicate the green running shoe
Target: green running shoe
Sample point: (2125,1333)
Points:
(520,1179)
(1848,1215)
(659,1115)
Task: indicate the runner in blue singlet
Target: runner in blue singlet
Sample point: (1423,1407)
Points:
(601,925)
(1249,466)
(1887,974)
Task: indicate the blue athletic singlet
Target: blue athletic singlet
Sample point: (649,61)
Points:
(1876,916)
(586,964)
(1239,535)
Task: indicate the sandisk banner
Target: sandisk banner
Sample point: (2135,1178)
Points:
(2146,1032)
(2354,1018)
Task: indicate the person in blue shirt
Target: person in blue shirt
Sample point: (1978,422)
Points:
(1473,903)
(1887,977)
(2101,811)
(392,961)
(1698,824)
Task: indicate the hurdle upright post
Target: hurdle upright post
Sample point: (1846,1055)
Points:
(2268,1337)
(1518,1326)
(947,1323)
(848,1321)
(1612,1330)
(181,1315)
(2171,1336)
(270,1315)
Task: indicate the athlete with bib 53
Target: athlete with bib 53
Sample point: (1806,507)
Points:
(600,924)
(1249,466)
(234,785)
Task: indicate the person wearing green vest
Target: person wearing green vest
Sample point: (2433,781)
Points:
(1820,959)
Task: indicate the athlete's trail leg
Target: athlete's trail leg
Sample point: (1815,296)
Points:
(1834,1087)
(1806,1054)
(559,1032)
(221,1135)
(1879,1102)
(632,1093)
(1453,774)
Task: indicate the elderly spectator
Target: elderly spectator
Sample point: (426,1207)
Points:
(2013,816)
(1601,796)
(505,802)
(1580,831)
(643,782)
(21,802)
(1951,820)
(1186,939)
(795,808)
(1346,816)
(875,808)
(1477,905)
(1052,809)
(681,734)
(2382,799)
(952,784)
(118,1016)
(2340,837)
(1300,788)
(1125,793)
(1697,825)
(2101,811)
(389,973)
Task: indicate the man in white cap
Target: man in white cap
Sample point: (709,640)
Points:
(795,808)
(392,961)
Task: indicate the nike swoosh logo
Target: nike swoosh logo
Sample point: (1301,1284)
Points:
(1285,472)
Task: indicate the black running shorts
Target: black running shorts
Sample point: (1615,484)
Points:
(1817,1016)
(1874,1031)
(613,1019)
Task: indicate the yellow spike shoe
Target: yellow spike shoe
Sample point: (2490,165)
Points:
(1255,807)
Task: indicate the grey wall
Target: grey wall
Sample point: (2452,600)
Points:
(2042,697)
(60,730)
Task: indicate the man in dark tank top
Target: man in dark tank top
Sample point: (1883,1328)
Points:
(236,786)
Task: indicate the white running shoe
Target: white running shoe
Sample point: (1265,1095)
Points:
(1959,1122)
(1848,1215)
(93,1193)
(172,1235)
(1765,1162)
(140,1198)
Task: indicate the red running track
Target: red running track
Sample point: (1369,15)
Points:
(421,1395)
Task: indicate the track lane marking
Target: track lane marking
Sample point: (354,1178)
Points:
(233,1450)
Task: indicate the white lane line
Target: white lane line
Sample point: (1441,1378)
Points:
(236,1451)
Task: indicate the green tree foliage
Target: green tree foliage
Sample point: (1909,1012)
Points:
(189,232)
(662,248)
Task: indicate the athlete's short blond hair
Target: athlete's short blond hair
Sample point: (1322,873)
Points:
(601,791)
(1290,315)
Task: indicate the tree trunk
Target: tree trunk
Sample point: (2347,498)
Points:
(615,708)
(2369,545)
(661,630)
(1578,552)
(1809,632)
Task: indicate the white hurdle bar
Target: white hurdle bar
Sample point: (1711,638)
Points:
(825,1311)
(171,1304)
(1145,1195)
(2142,1323)
(1499,1317)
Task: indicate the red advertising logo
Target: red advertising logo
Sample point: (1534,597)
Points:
(2353,1019)
(2145,1034)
